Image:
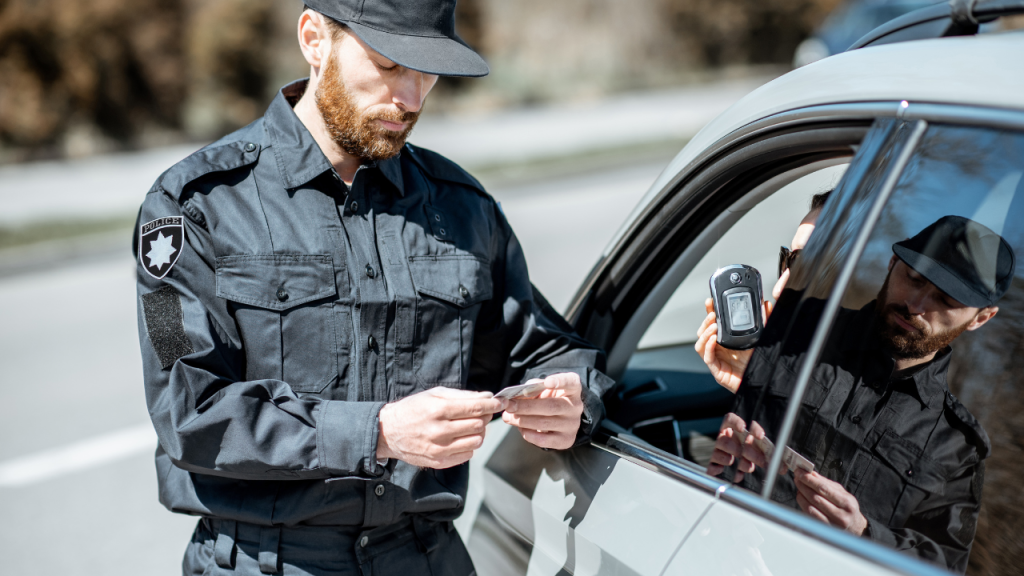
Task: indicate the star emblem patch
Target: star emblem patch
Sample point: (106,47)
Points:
(160,245)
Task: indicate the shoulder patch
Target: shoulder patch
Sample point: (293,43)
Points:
(213,158)
(973,428)
(160,243)
(441,168)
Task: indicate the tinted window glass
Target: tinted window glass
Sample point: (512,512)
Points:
(912,414)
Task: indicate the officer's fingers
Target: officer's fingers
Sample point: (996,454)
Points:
(545,423)
(721,458)
(552,440)
(709,320)
(710,358)
(809,508)
(565,385)
(445,392)
(453,429)
(709,305)
(459,408)
(545,406)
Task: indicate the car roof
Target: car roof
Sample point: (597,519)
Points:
(979,70)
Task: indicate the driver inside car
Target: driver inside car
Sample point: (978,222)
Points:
(897,458)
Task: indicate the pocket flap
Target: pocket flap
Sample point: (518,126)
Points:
(275,281)
(915,470)
(463,280)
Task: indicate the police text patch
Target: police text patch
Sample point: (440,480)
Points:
(160,243)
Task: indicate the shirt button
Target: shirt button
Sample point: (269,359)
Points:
(379,490)
(282,295)
(855,419)
(463,292)
(354,206)
(910,472)
(364,541)
(369,271)
(443,233)
(371,342)
(250,147)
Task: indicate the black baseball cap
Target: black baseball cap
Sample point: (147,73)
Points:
(417,34)
(964,259)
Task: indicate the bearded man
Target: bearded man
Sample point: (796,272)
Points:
(897,458)
(326,311)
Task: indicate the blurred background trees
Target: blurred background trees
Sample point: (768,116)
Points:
(85,76)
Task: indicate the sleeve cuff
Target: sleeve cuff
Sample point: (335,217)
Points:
(880,533)
(347,434)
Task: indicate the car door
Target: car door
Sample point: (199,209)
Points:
(607,508)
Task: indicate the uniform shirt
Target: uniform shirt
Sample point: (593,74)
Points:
(898,441)
(279,309)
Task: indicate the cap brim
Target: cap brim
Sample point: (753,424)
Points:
(430,55)
(939,275)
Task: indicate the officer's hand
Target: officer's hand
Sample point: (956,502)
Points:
(728,448)
(552,419)
(829,502)
(727,366)
(438,428)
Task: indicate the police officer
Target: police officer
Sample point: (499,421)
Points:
(899,459)
(326,311)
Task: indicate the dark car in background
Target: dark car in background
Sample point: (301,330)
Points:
(848,23)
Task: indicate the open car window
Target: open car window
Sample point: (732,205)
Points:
(895,352)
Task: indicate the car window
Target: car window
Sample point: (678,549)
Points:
(912,408)
(753,240)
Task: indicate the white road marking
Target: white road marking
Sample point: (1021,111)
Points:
(77,457)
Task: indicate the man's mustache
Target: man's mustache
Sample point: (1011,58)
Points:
(907,317)
(395,116)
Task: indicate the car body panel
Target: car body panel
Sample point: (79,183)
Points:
(729,540)
(982,71)
(571,508)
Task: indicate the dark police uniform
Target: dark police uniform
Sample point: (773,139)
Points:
(900,443)
(279,310)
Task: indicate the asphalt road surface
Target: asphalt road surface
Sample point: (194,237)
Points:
(77,483)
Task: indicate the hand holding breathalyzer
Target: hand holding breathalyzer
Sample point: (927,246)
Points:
(729,360)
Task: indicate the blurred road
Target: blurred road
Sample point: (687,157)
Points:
(77,483)
(114,185)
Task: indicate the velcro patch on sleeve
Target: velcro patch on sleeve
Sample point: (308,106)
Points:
(165,324)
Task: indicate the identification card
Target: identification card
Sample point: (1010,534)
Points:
(527,389)
(790,458)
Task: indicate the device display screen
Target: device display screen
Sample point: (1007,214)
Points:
(741,311)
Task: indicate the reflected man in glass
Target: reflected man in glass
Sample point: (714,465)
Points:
(897,458)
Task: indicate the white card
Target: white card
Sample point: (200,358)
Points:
(790,458)
(531,387)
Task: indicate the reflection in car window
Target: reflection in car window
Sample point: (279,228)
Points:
(913,410)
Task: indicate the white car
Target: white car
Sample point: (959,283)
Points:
(637,500)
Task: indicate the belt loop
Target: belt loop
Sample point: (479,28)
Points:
(270,543)
(224,547)
(426,533)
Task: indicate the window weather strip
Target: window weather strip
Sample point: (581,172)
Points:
(832,306)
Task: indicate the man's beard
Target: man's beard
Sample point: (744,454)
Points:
(358,134)
(902,344)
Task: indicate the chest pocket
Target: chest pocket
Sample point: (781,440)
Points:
(451,288)
(901,478)
(285,310)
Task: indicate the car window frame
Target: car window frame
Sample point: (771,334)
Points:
(616,440)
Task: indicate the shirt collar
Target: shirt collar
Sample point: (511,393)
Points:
(299,157)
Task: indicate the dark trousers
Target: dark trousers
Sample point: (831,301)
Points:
(409,548)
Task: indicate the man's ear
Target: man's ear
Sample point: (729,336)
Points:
(984,315)
(314,39)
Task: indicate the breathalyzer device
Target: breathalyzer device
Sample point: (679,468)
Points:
(738,297)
